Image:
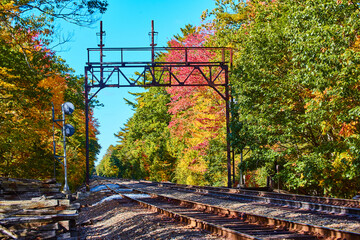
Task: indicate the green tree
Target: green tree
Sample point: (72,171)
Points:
(296,78)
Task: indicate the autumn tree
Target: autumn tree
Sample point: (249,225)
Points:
(295,81)
(197,116)
(31,77)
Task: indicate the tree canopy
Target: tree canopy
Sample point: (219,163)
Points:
(32,76)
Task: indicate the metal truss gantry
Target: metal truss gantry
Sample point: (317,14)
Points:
(112,74)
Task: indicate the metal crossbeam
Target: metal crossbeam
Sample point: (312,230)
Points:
(167,77)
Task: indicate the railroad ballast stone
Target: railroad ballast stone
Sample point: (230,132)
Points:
(326,220)
(123,219)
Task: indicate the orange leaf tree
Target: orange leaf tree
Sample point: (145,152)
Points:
(31,77)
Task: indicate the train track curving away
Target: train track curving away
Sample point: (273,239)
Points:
(230,223)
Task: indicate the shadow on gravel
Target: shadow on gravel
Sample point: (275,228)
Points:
(120,219)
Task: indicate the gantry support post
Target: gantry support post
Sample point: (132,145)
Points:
(87,180)
(232,147)
(228,150)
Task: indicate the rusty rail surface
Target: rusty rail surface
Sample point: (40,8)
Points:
(276,224)
(234,224)
(295,197)
(313,203)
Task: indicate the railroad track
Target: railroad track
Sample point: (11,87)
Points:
(233,224)
(347,207)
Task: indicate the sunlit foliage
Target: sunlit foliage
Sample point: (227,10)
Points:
(296,81)
(32,77)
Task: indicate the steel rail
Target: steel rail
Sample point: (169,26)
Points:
(295,227)
(325,208)
(194,222)
(229,227)
(295,197)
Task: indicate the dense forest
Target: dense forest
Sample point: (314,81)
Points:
(294,84)
(295,114)
(32,77)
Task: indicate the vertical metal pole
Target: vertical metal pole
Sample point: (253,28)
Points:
(66,186)
(228,150)
(87,181)
(232,149)
(101,45)
(152,42)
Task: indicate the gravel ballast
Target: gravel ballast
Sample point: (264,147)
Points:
(123,219)
(298,215)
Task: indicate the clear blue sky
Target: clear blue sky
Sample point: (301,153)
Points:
(127,24)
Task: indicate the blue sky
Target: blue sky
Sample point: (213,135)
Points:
(127,24)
